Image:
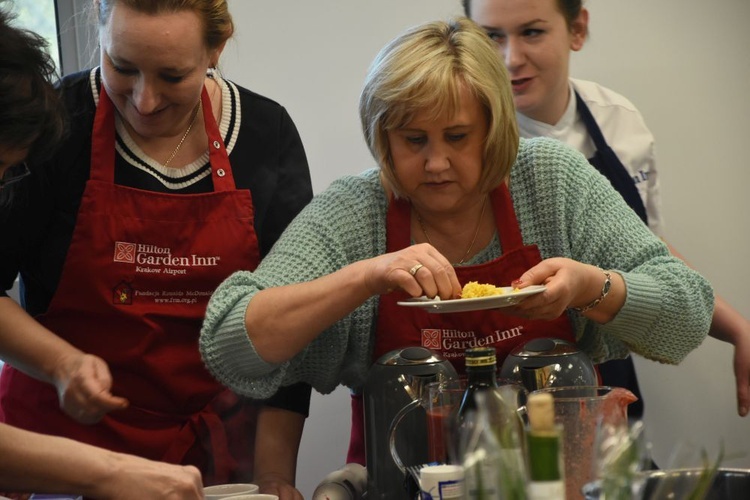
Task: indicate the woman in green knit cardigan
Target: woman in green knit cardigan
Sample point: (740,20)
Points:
(438,116)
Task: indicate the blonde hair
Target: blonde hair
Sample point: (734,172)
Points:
(217,21)
(426,68)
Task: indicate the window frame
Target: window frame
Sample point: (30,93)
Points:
(76,35)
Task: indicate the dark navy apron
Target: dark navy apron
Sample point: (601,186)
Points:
(618,372)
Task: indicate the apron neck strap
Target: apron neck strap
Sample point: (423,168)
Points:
(221,170)
(398,224)
(398,221)
(103,144)
(508,230)
(608,164)
(103,140)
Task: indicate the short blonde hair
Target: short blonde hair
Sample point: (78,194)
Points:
(426,68)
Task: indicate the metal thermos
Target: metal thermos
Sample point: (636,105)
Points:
(548,362)
(395,419)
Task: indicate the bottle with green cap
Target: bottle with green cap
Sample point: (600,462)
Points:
(486,421)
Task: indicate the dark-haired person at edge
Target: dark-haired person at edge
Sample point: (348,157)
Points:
(456,197)
(170,179)
(31,124)
(535,39)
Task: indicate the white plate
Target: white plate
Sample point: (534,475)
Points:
(508,298)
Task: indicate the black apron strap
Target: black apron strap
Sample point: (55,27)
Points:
(608,164)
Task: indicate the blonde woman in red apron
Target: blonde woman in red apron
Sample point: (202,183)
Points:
(398,327)
(119,336)
(456,197)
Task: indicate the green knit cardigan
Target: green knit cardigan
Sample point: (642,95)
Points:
(563,205)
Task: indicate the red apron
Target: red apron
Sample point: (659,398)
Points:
(451,334)
(137,277)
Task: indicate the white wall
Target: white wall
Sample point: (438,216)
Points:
(684,64)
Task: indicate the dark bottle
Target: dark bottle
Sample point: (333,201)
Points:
(506,423)
(481,371)
(483,398)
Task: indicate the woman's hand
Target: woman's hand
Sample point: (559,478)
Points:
(569,284)
(83,383)
(136,478)
(306,309)
(418,270)
(37,462)
(742,372)
(729,326)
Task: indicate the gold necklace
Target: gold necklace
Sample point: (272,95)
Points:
(184,136)
(473,240)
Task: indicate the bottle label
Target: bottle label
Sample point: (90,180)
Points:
(482,479)
(445,490)
(481,361)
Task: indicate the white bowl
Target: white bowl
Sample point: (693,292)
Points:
(219,491)
(254,496)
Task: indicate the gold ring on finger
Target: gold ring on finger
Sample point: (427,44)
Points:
(417,267)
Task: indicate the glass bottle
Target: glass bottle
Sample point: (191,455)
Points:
(544,444)
(483,407)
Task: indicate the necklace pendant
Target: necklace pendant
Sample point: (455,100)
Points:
(184,136)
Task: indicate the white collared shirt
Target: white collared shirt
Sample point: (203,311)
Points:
(624,130)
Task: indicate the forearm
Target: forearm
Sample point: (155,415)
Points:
(31,462)
(29,346)
(34,462)
(727,324)
(277,442)
(666,314)
(302,311)
(667,307)
(610,304)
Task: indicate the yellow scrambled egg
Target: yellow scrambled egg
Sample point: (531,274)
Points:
(473,289)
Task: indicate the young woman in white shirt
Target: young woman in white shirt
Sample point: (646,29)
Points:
(535,39)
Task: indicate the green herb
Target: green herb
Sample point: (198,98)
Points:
(707,475)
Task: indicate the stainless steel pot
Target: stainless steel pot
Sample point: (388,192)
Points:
(677,484)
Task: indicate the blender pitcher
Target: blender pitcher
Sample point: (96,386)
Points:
(581,410)
(395,417)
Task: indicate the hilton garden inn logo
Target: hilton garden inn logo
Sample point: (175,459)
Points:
(125,252)
(152,255)
(446,340)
